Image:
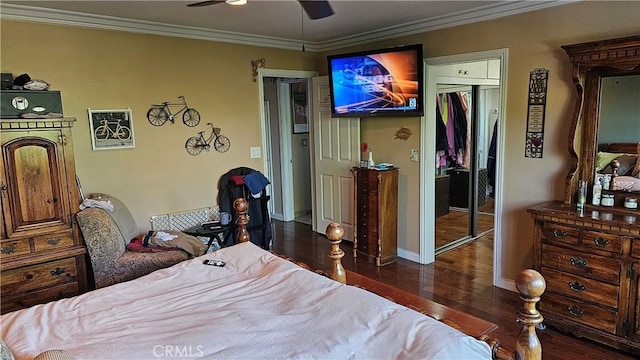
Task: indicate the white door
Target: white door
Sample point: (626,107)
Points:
(336,152)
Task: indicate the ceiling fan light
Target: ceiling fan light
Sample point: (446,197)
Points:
(236,2)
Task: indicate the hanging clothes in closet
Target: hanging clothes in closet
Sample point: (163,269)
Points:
(451,114)
(491,160)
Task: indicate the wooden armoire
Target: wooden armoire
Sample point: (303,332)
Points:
(41,251)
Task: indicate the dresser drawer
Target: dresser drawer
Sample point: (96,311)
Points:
(52,241)
(579,311)
(581,263)
(554,233)
(10,248)
(602,241)
(39,276)
(581,288)
(30,298)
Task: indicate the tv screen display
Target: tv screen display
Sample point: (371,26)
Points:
(384,82)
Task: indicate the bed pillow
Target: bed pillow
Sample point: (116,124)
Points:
(603,159)
(627,165)
(626,183)
(5,353)
(121,216)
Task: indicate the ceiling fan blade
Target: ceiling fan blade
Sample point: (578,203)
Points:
(205,3)
(317,9)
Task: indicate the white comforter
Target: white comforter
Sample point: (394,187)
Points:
(256,307)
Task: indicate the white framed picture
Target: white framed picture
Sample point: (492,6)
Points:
(111,129)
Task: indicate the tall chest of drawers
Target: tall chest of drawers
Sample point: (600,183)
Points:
(591,262)
(376,219)
(41,252)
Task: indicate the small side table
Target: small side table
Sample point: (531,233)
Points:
(212,232)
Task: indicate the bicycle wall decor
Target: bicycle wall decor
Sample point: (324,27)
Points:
(196,144)
(158,114)
(111,129)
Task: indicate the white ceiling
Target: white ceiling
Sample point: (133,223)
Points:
(274,23)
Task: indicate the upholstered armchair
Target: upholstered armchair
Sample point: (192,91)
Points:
(105,233)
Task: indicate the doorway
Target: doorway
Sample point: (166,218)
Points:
(427,147)
(287,157)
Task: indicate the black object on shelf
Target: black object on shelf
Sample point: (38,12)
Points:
(459,187)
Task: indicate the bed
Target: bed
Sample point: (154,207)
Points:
(259,305)
(622,161)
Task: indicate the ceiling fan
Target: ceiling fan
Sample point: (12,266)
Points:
(316,9)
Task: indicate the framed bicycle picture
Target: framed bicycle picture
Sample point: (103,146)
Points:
(111,129)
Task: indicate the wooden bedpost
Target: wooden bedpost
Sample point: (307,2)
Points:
(334,234)
(530,285)
(242,207)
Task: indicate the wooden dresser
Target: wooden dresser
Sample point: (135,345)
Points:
(376,219)
(42,255)
(591,261)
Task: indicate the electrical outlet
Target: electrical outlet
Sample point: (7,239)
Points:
(255,153)
(413,156)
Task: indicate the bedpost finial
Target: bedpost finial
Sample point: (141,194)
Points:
(334,232)
(530,284)
(241,206)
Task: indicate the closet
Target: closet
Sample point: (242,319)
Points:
(467,104)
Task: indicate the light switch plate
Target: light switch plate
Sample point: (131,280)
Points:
(413,156)
(255,153)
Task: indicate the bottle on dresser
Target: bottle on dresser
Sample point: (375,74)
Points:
(597,192)
(606,181)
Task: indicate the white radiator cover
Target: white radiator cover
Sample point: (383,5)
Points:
(182,220)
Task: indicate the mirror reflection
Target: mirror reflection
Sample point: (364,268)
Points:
(618,136)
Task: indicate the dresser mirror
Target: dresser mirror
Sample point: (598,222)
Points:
(606,119)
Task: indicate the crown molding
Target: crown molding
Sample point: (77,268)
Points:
(489,12)
(71,18)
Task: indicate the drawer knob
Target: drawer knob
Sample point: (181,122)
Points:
(576,286)
(58,271)
(601,242)
(53,241)
(9,249)
(579,262)
(559,234)
(575,311)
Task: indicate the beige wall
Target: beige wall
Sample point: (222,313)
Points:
(108,69)
(380,135)
(534,41)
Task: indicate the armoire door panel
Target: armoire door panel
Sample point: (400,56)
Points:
(36,195)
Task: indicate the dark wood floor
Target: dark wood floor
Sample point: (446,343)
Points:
(460,278)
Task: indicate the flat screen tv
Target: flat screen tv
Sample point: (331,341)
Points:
(382,82)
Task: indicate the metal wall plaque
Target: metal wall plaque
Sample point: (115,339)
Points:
(538,79)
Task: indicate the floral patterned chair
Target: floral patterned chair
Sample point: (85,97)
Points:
(107,234)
